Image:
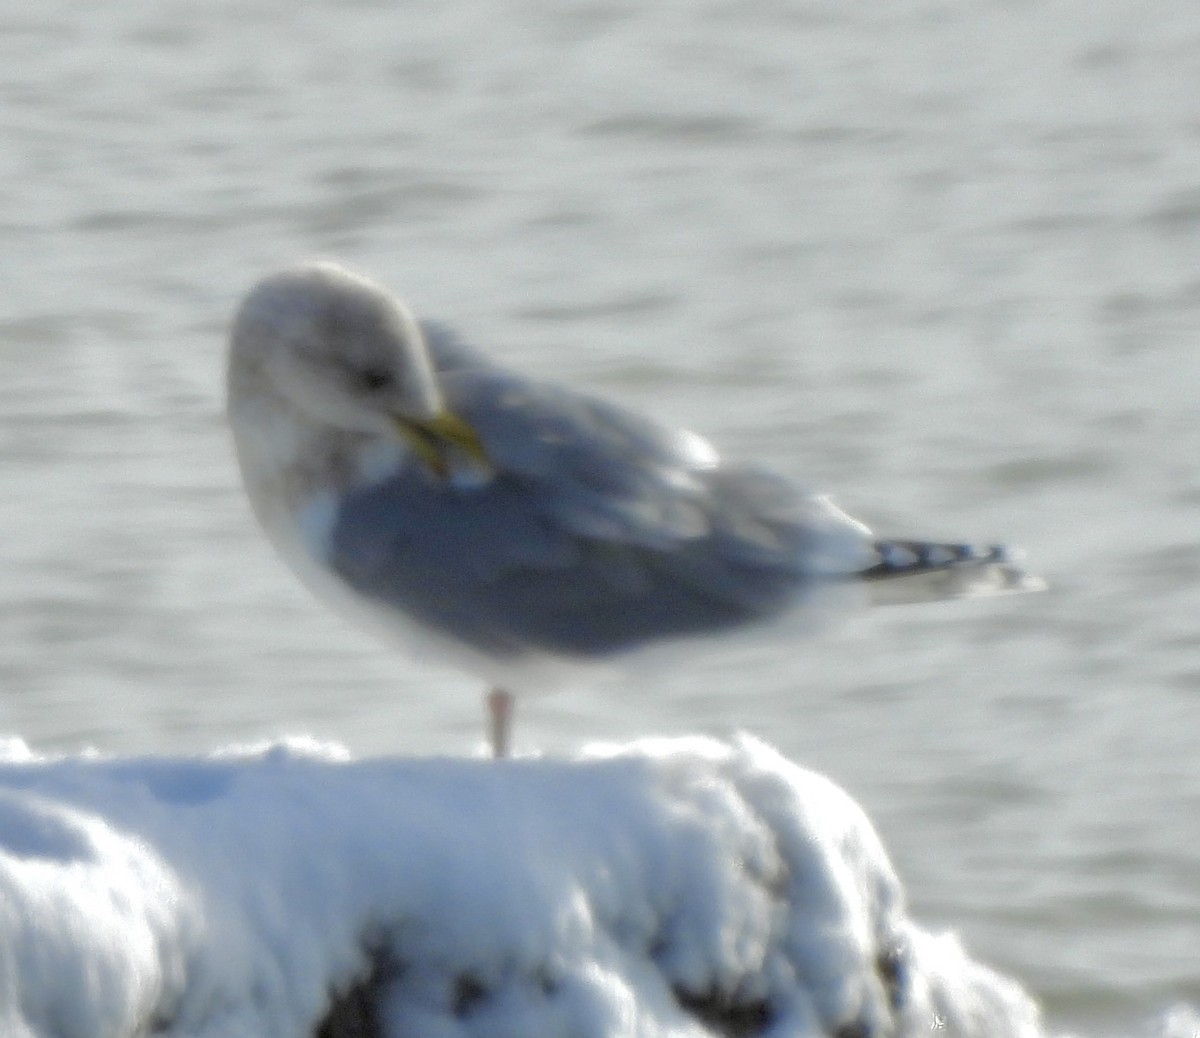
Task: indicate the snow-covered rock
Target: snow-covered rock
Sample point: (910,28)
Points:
(666,888)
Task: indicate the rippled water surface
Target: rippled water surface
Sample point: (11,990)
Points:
(943,259)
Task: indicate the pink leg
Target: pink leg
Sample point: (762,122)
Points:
(500,704)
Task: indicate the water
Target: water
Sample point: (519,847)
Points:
(942,259)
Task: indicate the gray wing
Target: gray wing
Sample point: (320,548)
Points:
(600,531)
(448,351)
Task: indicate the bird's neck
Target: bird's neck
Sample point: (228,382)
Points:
(285,459)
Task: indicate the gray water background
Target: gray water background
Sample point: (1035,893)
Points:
(940,258)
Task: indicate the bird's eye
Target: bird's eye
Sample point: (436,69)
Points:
(374,379)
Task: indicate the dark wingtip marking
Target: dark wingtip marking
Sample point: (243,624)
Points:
(902,558)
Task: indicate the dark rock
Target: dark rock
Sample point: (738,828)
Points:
(725,1015)
(468,993)
(354,1013)
(892,966)
(854,1029)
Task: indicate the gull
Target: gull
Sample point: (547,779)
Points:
(517,528)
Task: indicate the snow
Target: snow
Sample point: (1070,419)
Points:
(666,888)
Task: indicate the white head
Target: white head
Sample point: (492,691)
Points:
(338,348)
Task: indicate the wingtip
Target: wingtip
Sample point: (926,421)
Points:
(913,571)
(1004,579)
(1011,577)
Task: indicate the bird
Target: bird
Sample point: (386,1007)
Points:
(517,528)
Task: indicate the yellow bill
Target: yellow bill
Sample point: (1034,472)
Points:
(438,440)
